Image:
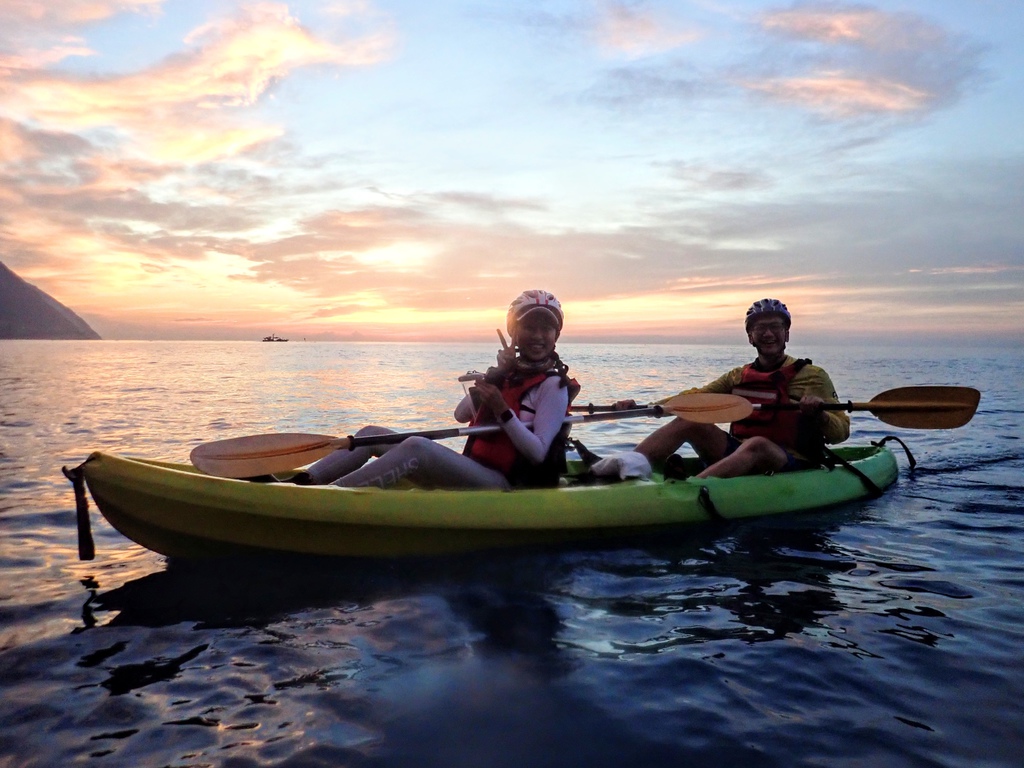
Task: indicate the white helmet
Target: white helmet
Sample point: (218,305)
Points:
(531,301)
(767,307)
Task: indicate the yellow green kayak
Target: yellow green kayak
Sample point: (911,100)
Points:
(176,510)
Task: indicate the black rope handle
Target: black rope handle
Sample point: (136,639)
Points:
(86,547)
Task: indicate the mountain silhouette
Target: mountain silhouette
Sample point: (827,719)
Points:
(28,313)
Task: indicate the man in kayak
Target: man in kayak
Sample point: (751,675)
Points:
(527,394)
(768,440)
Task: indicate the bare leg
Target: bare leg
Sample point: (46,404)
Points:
(341,463)
(426,463)
(708,440)
(754,457)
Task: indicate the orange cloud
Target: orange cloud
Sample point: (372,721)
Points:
(859,26)
(827,25)
(840,95)
(635,32)
(29,59)
(859,61)
(35,35)
(181,109)
(12,143)
(68,13)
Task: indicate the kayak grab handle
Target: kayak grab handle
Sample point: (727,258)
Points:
(704,499)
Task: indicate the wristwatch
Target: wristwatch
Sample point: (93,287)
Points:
(507,416)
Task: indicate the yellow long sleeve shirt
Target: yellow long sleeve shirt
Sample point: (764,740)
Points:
(809,380)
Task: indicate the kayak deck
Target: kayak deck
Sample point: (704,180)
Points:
(175,510)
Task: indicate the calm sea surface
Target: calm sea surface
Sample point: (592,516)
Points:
(882,633)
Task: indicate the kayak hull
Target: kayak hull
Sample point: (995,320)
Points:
(175,510)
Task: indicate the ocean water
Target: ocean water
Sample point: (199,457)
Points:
(880,633)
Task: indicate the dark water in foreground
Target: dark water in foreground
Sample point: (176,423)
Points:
(883,633)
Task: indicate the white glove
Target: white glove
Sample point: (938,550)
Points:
(625,465)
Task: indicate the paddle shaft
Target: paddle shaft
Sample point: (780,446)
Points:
(928,407)
(591,408)
(847,406)
(923,407)
(351,442)
(869,406)
(257,455)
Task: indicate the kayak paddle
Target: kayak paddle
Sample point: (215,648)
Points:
(925,407)
(909,407)
(700,407)
(912,407)
(254,455)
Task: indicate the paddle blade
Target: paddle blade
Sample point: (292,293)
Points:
(707,408)
(255,455)
(926,407)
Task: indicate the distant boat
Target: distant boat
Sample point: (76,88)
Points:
(273,337)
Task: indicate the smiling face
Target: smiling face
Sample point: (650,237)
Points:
(769,335)
(535,335)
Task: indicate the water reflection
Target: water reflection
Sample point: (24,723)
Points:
(255,592)
(387,657)
(129,677)
(401,607)
(755,582)
(751,582)
(771,580)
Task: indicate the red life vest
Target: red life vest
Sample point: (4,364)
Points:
(770,388)
(496,450)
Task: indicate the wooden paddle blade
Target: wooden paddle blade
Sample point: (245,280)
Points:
(255,455)
(707,408)
(925,407)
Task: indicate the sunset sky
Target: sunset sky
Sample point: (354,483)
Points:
(400,169)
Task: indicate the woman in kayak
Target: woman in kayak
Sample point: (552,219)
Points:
(527,394)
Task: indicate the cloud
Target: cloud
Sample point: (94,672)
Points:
(837,95)
(23,150)
(36,35)
(67,14)
(488,202)
(839,24)
(615,28)
(849,61)
(100,171)
(973,270)
(840,61)
(711,179)
(171,192)
(186,108)
(635,31)
(413,254)
(631,86)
